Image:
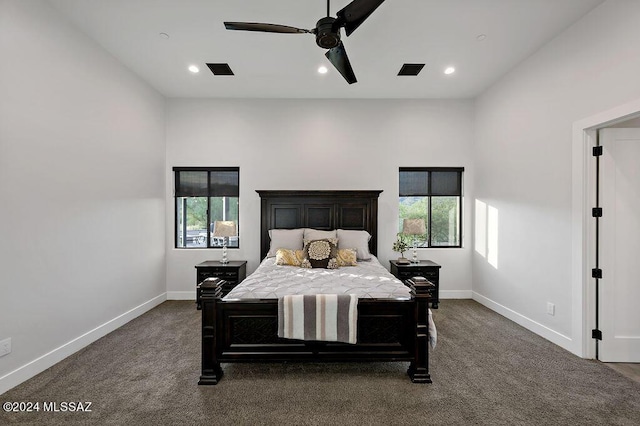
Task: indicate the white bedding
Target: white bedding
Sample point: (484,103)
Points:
(369,279)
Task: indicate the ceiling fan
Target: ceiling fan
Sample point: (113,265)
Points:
(327,31)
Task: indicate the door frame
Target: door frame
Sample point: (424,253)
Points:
(583,239)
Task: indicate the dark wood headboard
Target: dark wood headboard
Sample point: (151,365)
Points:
(357,210)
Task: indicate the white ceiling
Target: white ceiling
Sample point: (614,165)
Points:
(439,33)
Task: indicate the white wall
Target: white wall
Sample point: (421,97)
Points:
(318,144)
(82,187)
(523,155)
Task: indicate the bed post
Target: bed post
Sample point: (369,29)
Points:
(419,368)
(211,293)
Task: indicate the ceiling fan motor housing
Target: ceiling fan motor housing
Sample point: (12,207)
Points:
(326,36)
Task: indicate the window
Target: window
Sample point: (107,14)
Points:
(203,196)
(433,194)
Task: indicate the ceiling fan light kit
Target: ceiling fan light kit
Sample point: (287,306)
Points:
(326,36)
(327,32)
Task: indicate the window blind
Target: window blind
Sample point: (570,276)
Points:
(420,182)
(213,182)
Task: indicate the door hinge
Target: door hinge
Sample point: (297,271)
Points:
(597,151)
(596,334)
(596,273)
(596,212)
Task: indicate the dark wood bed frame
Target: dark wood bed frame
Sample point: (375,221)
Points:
(246,330)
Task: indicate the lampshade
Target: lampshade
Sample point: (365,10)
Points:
(414,227)
(224,228)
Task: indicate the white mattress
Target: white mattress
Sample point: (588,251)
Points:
(367,280)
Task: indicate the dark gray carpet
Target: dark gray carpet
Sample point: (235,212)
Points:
(486,371)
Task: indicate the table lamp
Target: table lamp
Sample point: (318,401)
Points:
(414,227)
(224,229)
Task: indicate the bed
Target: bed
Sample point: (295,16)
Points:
(390,327)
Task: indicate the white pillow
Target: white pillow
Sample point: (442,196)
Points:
(316,234)
(358,240)
(285,238)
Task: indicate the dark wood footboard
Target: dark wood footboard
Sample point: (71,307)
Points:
(211,290)
(419,368)
(246,331)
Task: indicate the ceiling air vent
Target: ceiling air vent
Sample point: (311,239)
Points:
(411,69)
(220,69)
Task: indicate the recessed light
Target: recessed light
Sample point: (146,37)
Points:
(449,70)
(194,69)
(481,37)
(164,35)
(322,69)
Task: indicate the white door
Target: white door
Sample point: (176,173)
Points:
(620,245)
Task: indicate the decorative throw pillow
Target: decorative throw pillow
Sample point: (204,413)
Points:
(320,253)
(289,257)
(347,257)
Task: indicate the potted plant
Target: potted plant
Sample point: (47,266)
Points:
(401,245)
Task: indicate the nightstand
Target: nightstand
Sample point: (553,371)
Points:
(426,268)
(233,273)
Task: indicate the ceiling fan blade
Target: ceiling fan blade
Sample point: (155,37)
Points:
(265,28)
(355,14)
(338,57)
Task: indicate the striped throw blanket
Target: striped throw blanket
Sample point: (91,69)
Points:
(326,317)
(433,333)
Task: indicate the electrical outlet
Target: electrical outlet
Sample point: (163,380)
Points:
(551,308)
(5,346)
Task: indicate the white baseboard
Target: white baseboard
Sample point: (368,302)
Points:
(181,295)
(531,325)
(49,359)
(456,294)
